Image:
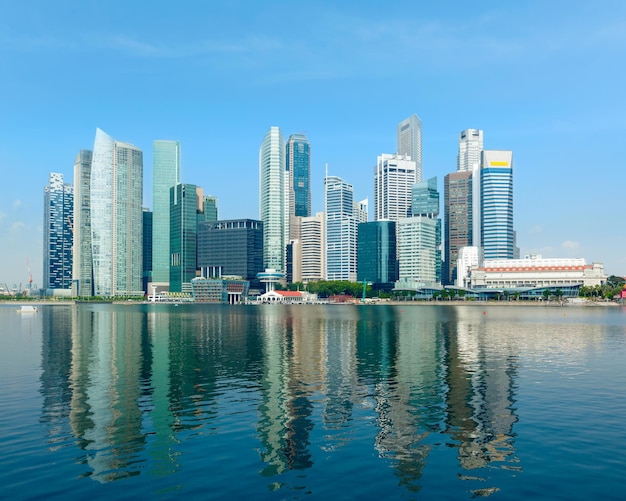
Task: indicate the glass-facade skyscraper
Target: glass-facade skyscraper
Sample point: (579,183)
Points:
(116,216)
(185,206)
(341,230)
(496,204)
(457,189)
(58,237)
(274,199)
(410,142)
(377,262)
(165,174)
(82,268)
(298,155)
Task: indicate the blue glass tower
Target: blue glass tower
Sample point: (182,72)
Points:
(376,257)
(298,155)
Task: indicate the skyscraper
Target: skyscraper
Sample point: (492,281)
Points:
(341,230)
(274,199)
(58,238)
(116,216)
(146,277)
(82,267)
(496,202)
(470,147)
(299,171)
(165,174)
(457,220)
(186,202)
(377,262)
(394,175)
(410,142)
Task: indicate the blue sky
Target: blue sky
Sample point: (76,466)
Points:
(545,79)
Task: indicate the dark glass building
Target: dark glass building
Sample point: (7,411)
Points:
(298,153)
(147,249)
(185,204)
(377,262)
(458,221)
(231,248)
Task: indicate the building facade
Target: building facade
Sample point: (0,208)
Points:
(470,149)
(341,230)
(116,216)
(410,142)
(147,249)
(82,266)
(298,156)
(313,252)
(394,176)
(497,237)
(58,233)
(274,199)
(417,253)
(376,251)
(231,248)
(185,205)
(457,187)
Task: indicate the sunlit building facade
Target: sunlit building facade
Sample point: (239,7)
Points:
(394,176)
(410,142)
(341,230)
(82,265)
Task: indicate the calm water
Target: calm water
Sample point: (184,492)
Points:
(312,402)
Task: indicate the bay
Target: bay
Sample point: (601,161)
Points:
(311,402)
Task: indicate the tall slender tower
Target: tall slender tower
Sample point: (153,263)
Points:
(58,238)
(186,201)
(470,148)
(116,216)
(165,174)
(82,268)
(394,175)
(410,142)
(274,199)
(496,203)
(341,230)
(299,171)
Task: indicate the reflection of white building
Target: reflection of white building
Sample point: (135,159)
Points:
(535,271)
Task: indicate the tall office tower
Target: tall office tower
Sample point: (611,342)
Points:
(457,220)
(116,216)
(210,208)
(394,175)
(231,248)
(185,206)
(147,249)
(57,238)
(299,171)
(361,210)
(426,204)
(417,252)
(376,251)
(496,204)
(165,174)
(470,148)
(312,248)
(82,269)
(274,199)
(341,230)
(410,142)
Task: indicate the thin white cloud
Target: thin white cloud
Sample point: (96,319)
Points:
(570,244)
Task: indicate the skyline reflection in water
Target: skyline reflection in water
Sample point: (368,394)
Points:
(280,400)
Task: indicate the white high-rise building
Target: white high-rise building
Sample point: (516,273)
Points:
(341,230)
(116,217)
(410,142)
(470,148)
(312,248)
(394,177)
(274,199)
(417,252)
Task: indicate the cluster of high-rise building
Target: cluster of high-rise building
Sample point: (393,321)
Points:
(100,241)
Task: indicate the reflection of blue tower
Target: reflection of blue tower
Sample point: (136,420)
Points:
(269,277)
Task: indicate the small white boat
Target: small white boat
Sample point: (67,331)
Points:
(27,309)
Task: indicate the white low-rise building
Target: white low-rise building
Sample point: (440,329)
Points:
(535,271)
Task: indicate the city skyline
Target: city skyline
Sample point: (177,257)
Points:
(528,95)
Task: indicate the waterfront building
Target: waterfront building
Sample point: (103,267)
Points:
(219,290)
(417,253)
(468,258)
(394,175)
(147,249)
(457,188)
(534,271)
(470,149)
(82,261)
(185,205)
(165,174)
(425,203)
(116,232)
(376,251)
(273,199)
(313,252)
(341,230)
(57,234)
(410,143)
(298,156)
(231,248)
(496,205)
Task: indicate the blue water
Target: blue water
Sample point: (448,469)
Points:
(313,402)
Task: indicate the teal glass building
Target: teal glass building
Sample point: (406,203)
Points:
(376,254)
(185,203)
(165,175)
(298,156)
